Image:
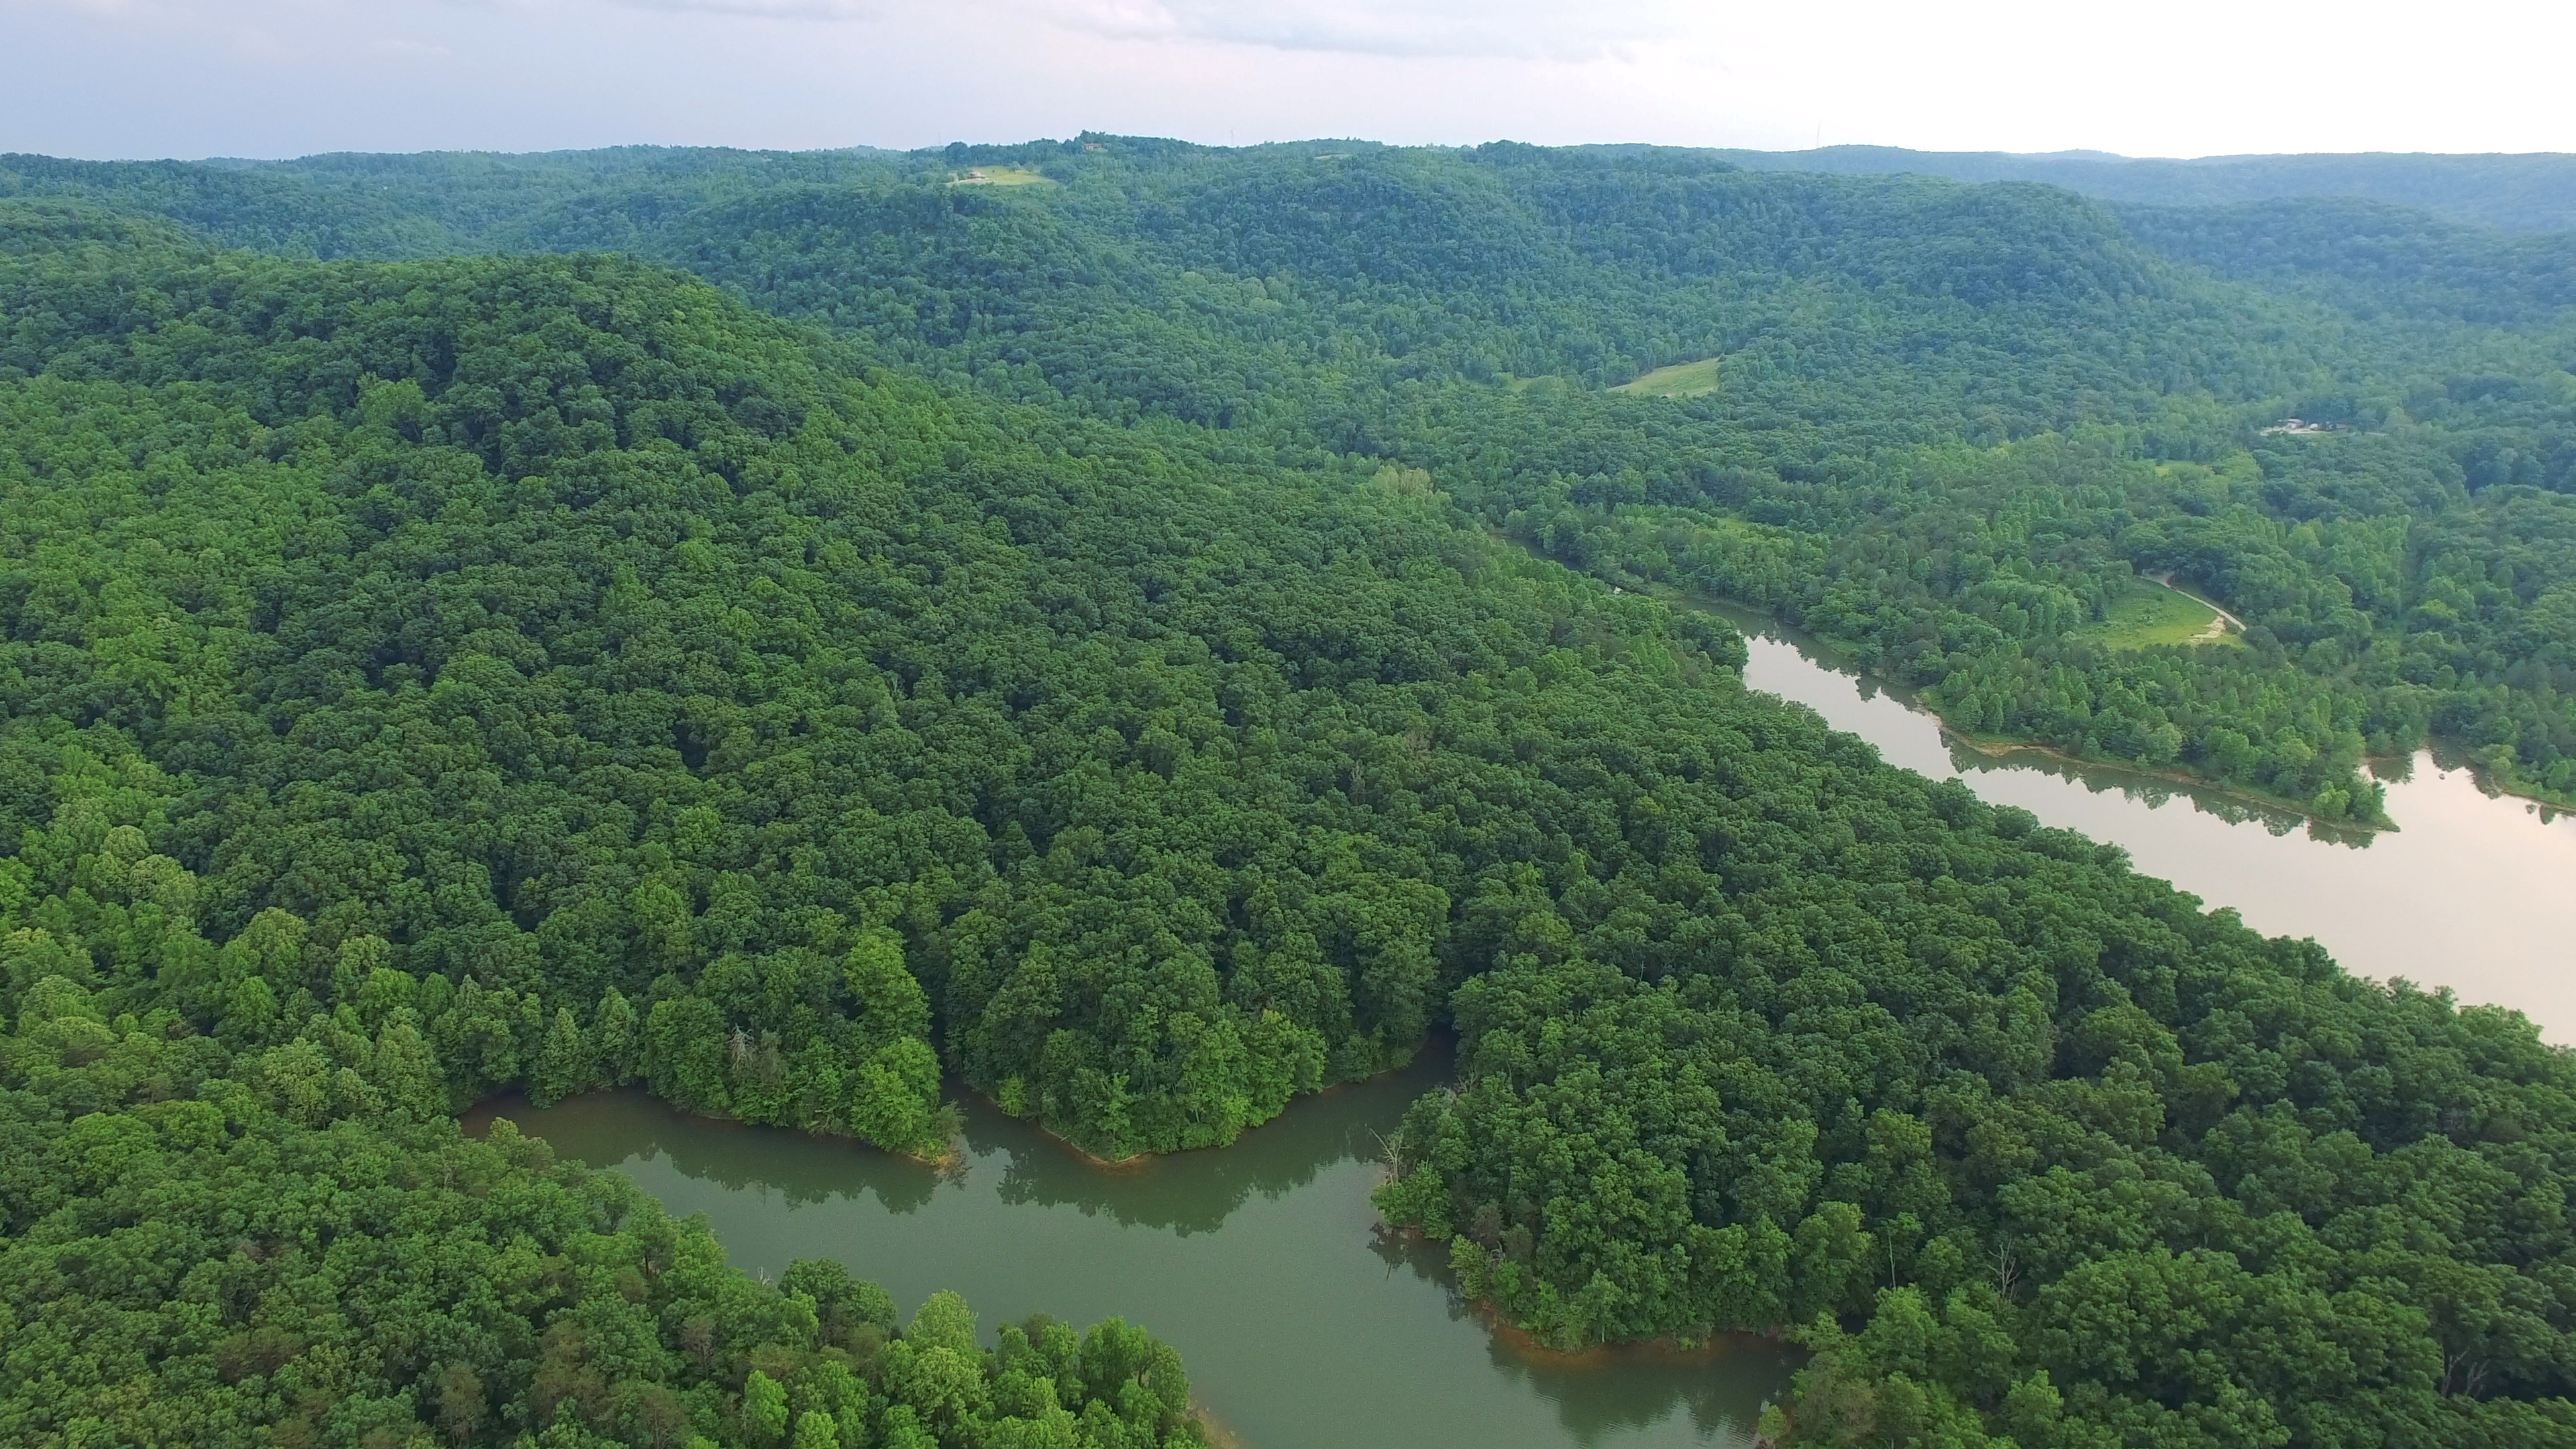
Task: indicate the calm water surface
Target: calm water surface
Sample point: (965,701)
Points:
(2472,891)
(1300,1327)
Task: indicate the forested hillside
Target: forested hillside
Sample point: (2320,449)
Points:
(1094,648)
(1952,428)
(2528,191)
(2372,258)
(355,765)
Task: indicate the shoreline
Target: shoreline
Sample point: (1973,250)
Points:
(1829,654)
(1219,1433)
(1135,1160)
(1066,1145)
(479,1116)
(1996,748)
(2447,755)
(2486,778)
(1522,1344)
(1527,1347)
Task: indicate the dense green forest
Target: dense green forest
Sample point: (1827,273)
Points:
(1088,639)
(1954,429)
(295,1247)
(314,844)
(2529,191)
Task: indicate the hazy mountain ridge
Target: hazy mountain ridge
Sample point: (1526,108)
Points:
(2532,191)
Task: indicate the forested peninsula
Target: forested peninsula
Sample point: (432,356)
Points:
(1159,638)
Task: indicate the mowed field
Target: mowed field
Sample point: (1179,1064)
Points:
(1682,379)
(2150,615)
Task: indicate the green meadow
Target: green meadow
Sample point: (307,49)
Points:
(2150,615)
(1682,379)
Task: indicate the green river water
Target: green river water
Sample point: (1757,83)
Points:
(1303,1328)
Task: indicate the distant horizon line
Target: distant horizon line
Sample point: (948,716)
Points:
(2066,156)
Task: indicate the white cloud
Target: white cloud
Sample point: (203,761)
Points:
(1413,28)
(404,47)
(759,9)
(2190,77)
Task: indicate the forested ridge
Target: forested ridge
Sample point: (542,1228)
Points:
(1075,651)
(1980,414)
(297,793)
(2526,192)
(1952,428)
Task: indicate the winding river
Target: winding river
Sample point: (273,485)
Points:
(1303,1329)
(2473,891)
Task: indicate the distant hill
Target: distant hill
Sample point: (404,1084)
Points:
(2370,257)
(2533,191)
(441,203)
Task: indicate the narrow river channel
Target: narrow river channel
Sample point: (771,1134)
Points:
(2472,891)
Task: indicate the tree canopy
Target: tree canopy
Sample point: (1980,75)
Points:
(1109,642)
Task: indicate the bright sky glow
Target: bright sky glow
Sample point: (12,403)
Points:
(192,78)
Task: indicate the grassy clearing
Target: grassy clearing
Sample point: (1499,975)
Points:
(2148,616)
(1682,379)
(1000,176)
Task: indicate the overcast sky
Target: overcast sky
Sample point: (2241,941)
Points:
(192,78)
